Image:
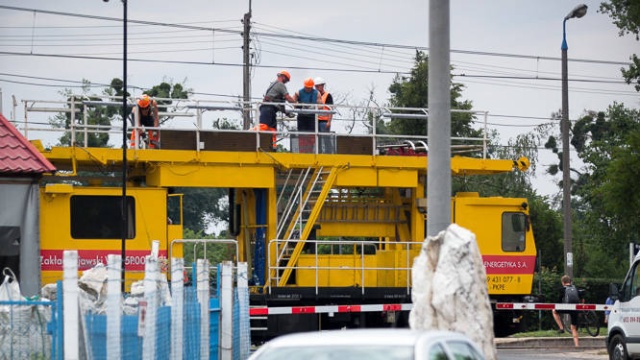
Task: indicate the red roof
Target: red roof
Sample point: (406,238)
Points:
(17,155)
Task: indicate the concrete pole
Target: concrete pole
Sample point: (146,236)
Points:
(177,307)
(226,312)
(70,305)
(577,12)
(202,288)
(439,124)
(114,306)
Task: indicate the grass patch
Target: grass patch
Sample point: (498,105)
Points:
(554,333)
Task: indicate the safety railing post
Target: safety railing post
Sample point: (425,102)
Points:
(114,302)
(226,312)
(70,305)
(177,307)
(202,274)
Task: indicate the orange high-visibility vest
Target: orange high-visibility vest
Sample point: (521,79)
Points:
(324,101)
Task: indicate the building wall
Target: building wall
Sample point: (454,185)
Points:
(20,231)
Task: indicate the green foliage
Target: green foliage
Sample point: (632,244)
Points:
(547,229)
(167,90)
(214,252)
(226,124)
(97,119)
(202,206)
(607,203)
(413,92)
(548,289)
(626,16)
(605,206)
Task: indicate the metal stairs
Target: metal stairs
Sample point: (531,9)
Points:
(305,201)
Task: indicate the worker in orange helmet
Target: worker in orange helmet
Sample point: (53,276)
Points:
(145,114)
(307,122)
(276,93)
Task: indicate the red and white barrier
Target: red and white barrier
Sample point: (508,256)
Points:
(328,309)
(545,306)
(332,309)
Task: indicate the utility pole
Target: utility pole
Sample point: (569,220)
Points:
(578,12)
(246,76)
(439,124)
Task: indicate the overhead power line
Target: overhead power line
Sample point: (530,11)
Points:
(310,38)
(183,62)
(536,78)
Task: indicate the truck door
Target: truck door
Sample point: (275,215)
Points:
(629,308)
(175,223)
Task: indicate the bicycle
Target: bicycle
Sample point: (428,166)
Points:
(586,319)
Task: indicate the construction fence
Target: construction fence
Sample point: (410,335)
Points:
(88,318)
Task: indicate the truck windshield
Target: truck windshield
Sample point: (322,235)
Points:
(513,231)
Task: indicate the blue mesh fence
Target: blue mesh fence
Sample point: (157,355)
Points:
(96,328)
(236,328)
(214,328)
(34,329)
(28,330)
(241,329)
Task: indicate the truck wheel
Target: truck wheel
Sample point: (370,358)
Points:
(617,348)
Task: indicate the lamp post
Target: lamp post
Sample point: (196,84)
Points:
(577,12)
(124,143)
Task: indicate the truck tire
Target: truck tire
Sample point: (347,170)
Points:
(618,348)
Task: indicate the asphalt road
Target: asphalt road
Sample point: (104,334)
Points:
(551,354)
(551,348)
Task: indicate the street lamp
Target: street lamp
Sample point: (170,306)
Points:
(124,142)
(577,12)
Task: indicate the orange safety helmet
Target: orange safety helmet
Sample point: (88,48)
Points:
(286,74)
(308,83)
(144,100)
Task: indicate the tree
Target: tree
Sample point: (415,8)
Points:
(626,16)
(202,207)
(413,92)
(545,221)
(97,119)
(169,91)
(605,206)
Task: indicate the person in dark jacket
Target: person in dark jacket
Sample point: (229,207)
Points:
(566,281)
(307,122)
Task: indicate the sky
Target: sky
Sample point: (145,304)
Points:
(506,53)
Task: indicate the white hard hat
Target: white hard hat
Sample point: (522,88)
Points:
(319,81)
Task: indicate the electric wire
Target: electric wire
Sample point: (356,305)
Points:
(310,38)
(328,44)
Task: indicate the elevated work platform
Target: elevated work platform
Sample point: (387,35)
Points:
(186,168)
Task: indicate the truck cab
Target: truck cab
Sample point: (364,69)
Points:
(623,333)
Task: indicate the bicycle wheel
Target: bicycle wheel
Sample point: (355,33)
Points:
(591,322)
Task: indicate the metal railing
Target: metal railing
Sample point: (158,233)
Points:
(276,268)
(350,122)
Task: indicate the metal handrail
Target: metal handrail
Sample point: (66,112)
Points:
(182,108)
(275,268)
